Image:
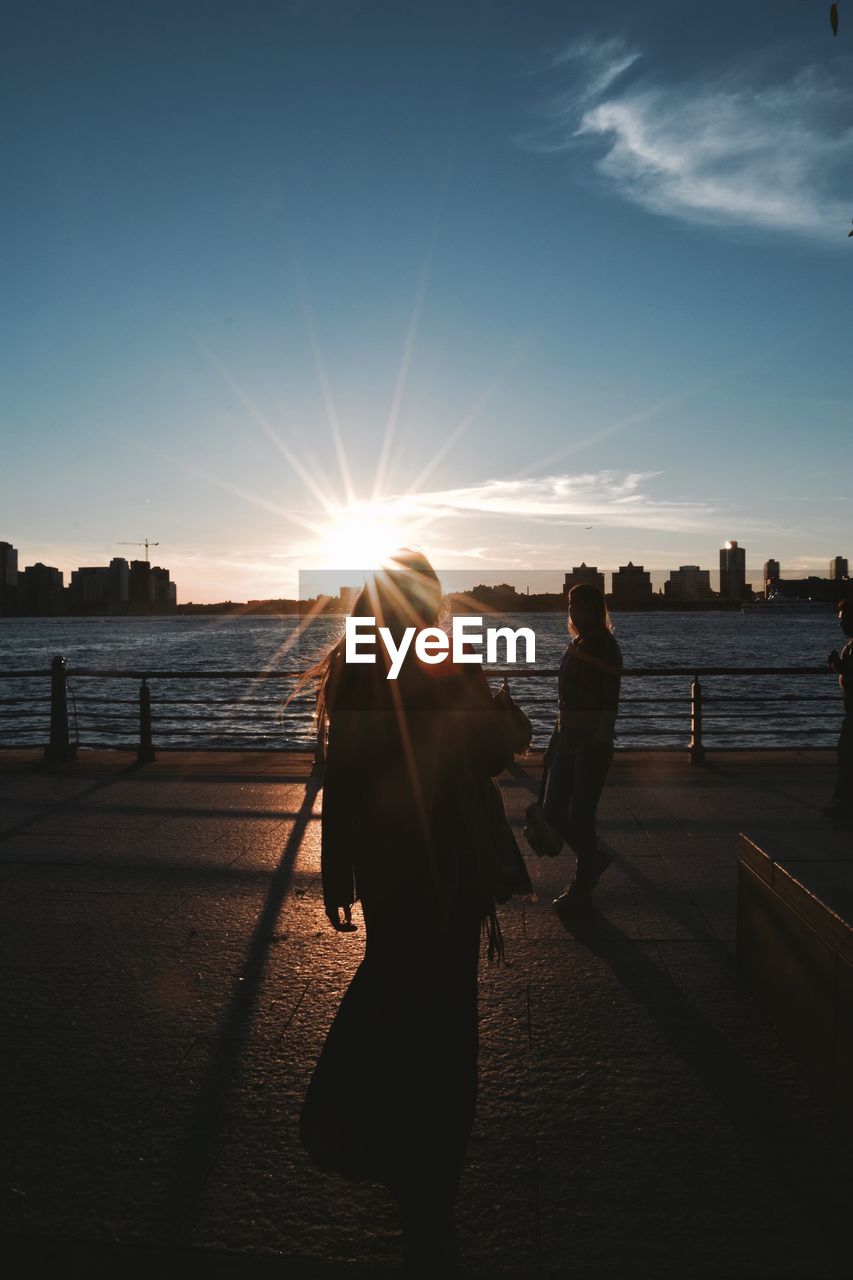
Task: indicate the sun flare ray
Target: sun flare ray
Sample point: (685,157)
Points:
(325,387)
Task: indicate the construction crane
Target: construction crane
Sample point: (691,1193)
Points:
(146,544)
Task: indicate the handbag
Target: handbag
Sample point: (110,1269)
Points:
(486,831)
(538,832)
(519,724)
(506,869)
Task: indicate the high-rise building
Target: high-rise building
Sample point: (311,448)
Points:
(772,574)
(89,588)
(632,584)
(583,573)
(40,589)
(100,588)
(8,565)
(107,588)
(139,586)
(8,578)
(160,596)
(837,567)
(732,571)
(119,590)
(688,582)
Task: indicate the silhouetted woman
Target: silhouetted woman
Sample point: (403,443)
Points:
(582,749)
(406,802)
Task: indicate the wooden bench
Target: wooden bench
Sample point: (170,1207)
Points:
(795,949)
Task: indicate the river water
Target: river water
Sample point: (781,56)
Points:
(739,711)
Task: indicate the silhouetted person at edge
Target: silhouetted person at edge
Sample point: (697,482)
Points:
(392,1096)
(842,806)
(582,749)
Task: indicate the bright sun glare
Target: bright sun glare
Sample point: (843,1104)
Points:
(359,537)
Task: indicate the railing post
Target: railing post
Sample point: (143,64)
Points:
(145,752)
(59,749)
(319,750)
(697,750)
(320,746)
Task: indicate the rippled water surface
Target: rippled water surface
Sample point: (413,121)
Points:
(242,712)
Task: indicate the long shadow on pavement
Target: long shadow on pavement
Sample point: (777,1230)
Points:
(756,1110)
(62,806)
(204,1135)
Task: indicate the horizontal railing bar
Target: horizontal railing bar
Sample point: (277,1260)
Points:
(626,705)
(93,707)
(164,722)
(163,718)
(167,700)
(801,717)
(746,699)
(133,673)
(773,706)
(774,731)
(690,672)
(211,704)
(41,674)
(110,673)
(752,700)
(90,700)
(120,720)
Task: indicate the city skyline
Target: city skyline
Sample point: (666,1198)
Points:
(114,583)
(500,282)
(122,586)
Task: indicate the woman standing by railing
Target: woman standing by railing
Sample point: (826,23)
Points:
(582,751)
(409,761)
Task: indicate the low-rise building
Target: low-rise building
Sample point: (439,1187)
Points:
(688,583)
(583,573)
(632,584)
(40,590)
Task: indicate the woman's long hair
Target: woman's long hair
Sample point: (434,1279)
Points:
(405,592)
(592,599)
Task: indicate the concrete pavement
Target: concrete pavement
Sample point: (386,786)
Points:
(168,978)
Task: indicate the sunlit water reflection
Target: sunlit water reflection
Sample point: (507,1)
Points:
(245,713)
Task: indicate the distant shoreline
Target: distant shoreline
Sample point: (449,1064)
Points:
(238,610)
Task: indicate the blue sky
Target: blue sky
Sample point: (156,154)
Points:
(522,283)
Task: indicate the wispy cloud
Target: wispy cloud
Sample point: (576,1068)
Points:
(618,500)
(729,149)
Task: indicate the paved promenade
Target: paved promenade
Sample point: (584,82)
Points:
(168,978)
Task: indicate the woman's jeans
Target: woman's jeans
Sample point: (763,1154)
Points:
(575,779)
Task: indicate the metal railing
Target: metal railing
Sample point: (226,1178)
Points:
(669,706)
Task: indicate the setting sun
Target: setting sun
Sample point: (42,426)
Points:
(359,537)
